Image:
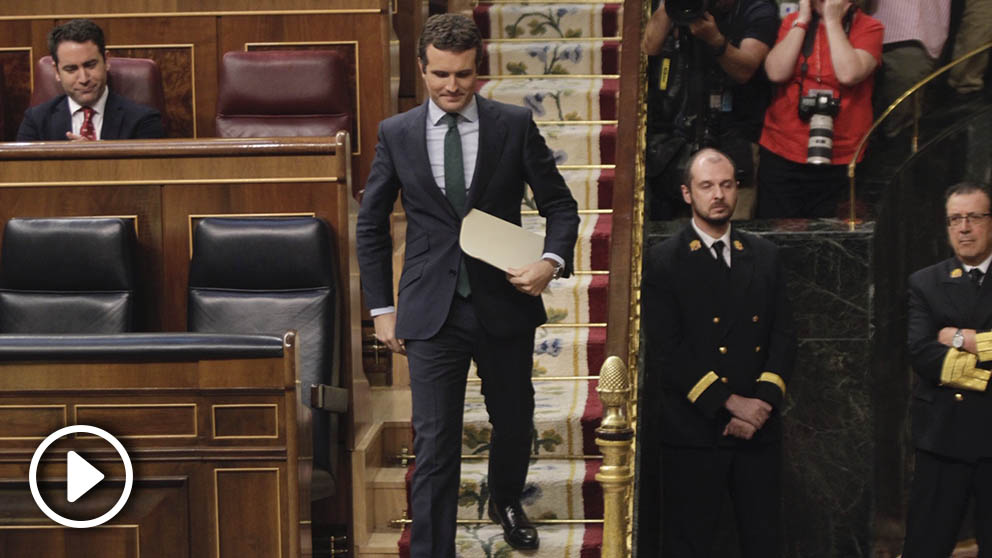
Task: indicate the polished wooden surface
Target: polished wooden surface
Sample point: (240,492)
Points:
(196,493)
(188,39)
(628,130)
(168,184)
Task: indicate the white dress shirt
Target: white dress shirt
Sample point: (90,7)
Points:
(468,129)
(76,110)
(983,267)
(709,240)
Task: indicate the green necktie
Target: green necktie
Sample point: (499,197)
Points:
(454,186)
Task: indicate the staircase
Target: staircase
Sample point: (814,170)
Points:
(562,62)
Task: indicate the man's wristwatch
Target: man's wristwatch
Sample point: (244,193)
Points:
(958,340)
(559,268)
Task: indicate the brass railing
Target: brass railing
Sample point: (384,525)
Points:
(614,438)
(915,142)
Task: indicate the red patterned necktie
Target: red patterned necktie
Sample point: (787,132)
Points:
(87,130)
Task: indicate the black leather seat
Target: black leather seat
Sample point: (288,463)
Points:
(72,275)
(270,275)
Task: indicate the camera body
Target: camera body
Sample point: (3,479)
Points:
(819,106)
(684,12)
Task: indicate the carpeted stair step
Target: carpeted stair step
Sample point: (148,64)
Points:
(543,22)
(557,541)
(579,299)
(593,246)
(582,144)
(566,414)
(574,57)
(555,489)
(557,98)
(591,188)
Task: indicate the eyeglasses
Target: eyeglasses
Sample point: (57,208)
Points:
(958,220)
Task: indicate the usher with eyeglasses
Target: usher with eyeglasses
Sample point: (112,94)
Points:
(958,220)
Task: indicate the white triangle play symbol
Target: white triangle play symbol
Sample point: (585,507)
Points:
(80,477)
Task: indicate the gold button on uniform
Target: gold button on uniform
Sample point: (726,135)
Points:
(716,319)
(723,350)
(958,397)
(757,348)
(754,318)
(724,379)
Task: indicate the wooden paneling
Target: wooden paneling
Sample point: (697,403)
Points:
(245,421)
(187,38)
(33,422)
(186,52)
(86,8)
(152,420)
(176,62)
(197,497)
(240,534)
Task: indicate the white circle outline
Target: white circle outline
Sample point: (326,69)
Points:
(33,476)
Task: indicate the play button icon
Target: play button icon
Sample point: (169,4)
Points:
(80,476)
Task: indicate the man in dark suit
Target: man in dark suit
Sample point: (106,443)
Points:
(719,334)
(89,110)
(950,343)
(456,152)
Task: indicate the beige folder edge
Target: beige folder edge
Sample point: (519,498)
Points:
(499,243)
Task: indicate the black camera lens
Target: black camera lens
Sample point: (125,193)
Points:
(684,12)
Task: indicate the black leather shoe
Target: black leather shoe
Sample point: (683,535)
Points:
(518,531)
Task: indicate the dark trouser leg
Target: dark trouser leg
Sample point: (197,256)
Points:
(938,500)
(757,494)
(983,507)
(438,369)
(505,366)
(787,189)
(693,483)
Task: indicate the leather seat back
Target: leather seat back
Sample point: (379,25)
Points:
(283,93)
(67,276)
(267,276)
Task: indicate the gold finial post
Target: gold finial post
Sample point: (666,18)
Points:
(614,437)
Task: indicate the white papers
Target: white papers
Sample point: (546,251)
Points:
(499,243)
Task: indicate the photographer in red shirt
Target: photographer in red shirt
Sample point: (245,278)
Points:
(823,64)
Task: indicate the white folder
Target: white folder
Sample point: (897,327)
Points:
(499,243)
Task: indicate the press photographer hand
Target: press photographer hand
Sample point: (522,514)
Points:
(705,29)
(805,11)
(834,10)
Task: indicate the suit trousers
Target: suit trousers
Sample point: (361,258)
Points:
(694,482)
(938,501)
(438,372)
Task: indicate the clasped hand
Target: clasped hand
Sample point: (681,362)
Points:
(532,278)
(749,414)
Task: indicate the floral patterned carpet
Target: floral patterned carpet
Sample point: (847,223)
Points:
(561,61)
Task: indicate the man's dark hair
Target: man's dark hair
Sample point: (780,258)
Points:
(687,173)
(967,188)
(76,31)
(451,32)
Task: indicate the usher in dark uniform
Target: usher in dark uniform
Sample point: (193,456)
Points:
(711,333)
(951,408)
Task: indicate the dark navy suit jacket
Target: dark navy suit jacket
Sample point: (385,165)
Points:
(511,153)
(122,119)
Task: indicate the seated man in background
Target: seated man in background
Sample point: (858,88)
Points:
(88,110)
